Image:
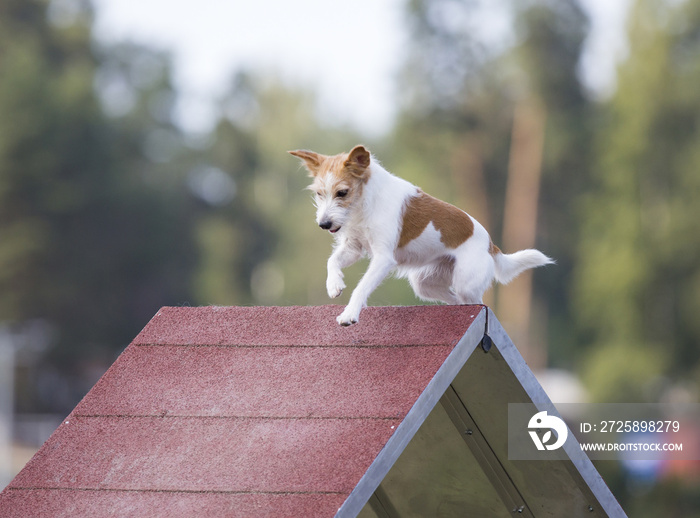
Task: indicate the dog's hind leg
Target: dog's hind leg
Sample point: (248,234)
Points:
(429,290)
(473,275)
(433,282)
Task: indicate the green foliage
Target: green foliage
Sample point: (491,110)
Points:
(454,134)
(108,211)
(637,281)
(90,241)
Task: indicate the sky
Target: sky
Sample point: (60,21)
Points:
(348,53)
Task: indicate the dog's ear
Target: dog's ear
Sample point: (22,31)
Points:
(358,161)
(311,160)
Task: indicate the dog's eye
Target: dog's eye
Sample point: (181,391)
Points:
(341,194)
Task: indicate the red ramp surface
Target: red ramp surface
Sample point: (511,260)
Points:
(240,412)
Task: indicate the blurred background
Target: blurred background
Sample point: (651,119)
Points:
(143,163)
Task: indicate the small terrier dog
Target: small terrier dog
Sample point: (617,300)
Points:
(446,254)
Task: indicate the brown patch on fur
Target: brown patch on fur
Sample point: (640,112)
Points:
(454,225)
(493,249)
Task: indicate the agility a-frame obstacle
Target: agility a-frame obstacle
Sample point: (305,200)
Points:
(278,411)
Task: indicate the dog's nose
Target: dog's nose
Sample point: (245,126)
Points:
(325,225)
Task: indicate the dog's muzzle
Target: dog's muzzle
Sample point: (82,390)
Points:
(328,225)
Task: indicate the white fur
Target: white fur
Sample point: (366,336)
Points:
(371,226)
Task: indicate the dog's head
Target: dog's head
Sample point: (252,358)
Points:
(338,183)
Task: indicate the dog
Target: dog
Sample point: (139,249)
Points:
(446,254)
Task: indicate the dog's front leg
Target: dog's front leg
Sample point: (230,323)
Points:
(342,257)
(379,268)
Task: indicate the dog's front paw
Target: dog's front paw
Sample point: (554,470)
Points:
(335,287)
(348,318)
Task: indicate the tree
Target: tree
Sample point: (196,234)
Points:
(93,230)
(637,283)
(457,125)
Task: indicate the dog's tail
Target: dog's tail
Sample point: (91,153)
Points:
(509,266)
